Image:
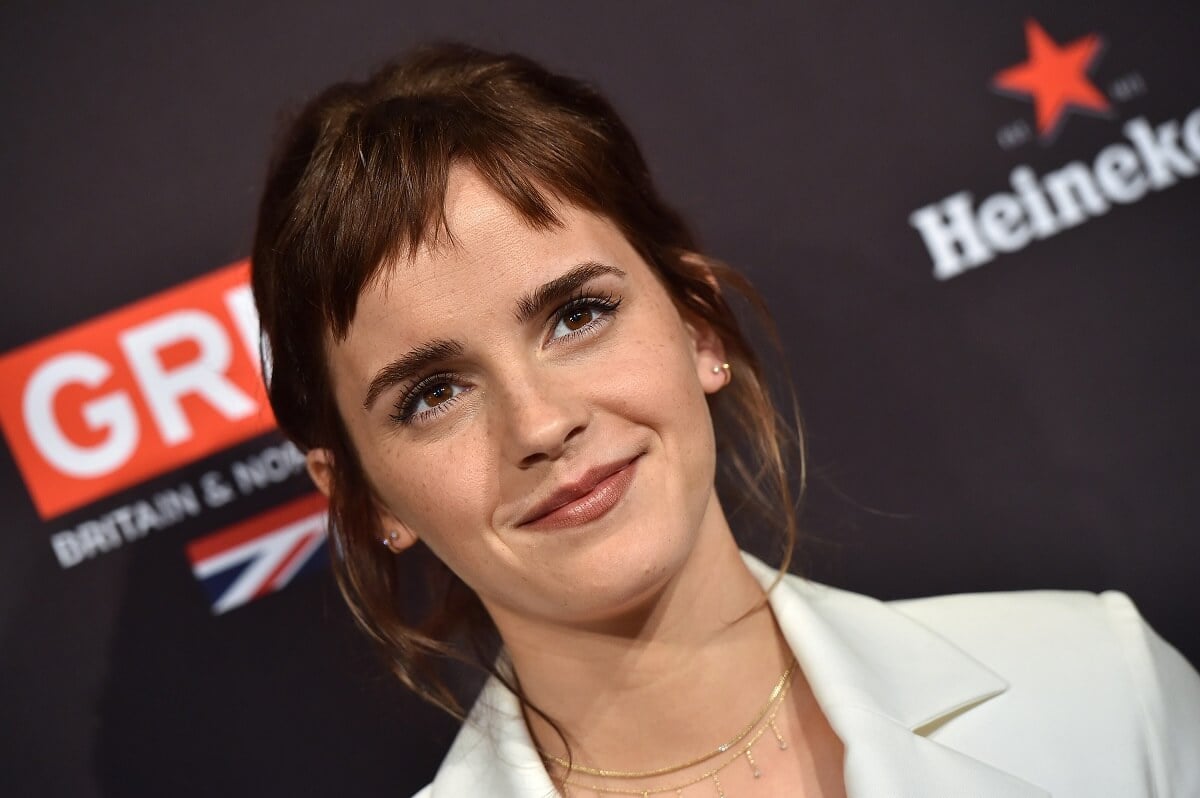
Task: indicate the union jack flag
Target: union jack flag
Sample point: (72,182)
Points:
(262,554)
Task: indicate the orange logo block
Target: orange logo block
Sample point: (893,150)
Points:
(136,392)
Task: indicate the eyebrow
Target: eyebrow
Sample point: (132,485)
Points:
(528,306)
(408,365)
(537,300)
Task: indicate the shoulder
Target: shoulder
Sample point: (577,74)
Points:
(1006,627)
(1078,673)
(1029,637)
(1088,656)
(1029,617)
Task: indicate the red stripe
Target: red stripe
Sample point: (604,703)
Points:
(268,584)
(262,524)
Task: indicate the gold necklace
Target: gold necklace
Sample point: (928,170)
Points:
(769,712)
(678,788)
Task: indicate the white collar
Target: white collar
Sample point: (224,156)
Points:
(879,676)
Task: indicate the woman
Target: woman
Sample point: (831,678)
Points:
(492,337)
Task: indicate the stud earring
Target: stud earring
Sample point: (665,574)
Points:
(727,369)
(392,540)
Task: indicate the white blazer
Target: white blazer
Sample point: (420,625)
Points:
(990,695)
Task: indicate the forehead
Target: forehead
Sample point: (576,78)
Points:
(470,275)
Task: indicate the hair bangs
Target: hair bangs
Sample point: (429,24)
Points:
(377,188)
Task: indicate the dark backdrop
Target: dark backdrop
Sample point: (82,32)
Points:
(1028,423)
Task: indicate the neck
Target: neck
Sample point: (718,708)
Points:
(672,678)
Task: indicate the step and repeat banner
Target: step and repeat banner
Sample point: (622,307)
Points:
(978,229)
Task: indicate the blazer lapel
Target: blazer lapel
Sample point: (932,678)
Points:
(883,679)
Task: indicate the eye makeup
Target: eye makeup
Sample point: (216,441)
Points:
(581,316)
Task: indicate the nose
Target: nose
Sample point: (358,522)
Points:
(541,414)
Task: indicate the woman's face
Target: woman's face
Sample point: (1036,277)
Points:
(531,405)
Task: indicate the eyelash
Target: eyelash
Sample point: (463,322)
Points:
(607,305)
(405,413)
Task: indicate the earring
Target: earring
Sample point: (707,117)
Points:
(391,541)
(727,369)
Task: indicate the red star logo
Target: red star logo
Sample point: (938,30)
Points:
(1055,76)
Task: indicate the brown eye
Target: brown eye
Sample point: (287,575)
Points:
(429,398)
(583,316)
(437,394)
(578,319)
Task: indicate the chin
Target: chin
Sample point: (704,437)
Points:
(624,577)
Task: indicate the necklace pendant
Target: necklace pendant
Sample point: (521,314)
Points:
(778,737)
(753,765)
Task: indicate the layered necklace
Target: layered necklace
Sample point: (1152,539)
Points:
(741,745)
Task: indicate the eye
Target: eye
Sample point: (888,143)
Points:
(583,315)
(428,398)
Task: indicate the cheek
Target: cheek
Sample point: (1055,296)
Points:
(442,493)
(657,385)
(657,370)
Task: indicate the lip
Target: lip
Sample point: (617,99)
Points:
(583,499)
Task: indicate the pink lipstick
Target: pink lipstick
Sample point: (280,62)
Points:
(583,500)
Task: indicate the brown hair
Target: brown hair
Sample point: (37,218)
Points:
(360,180)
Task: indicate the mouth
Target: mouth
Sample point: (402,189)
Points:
(583,499)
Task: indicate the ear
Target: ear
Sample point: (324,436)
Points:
(319,463)
(397,535)
(707,347)
(709,351)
